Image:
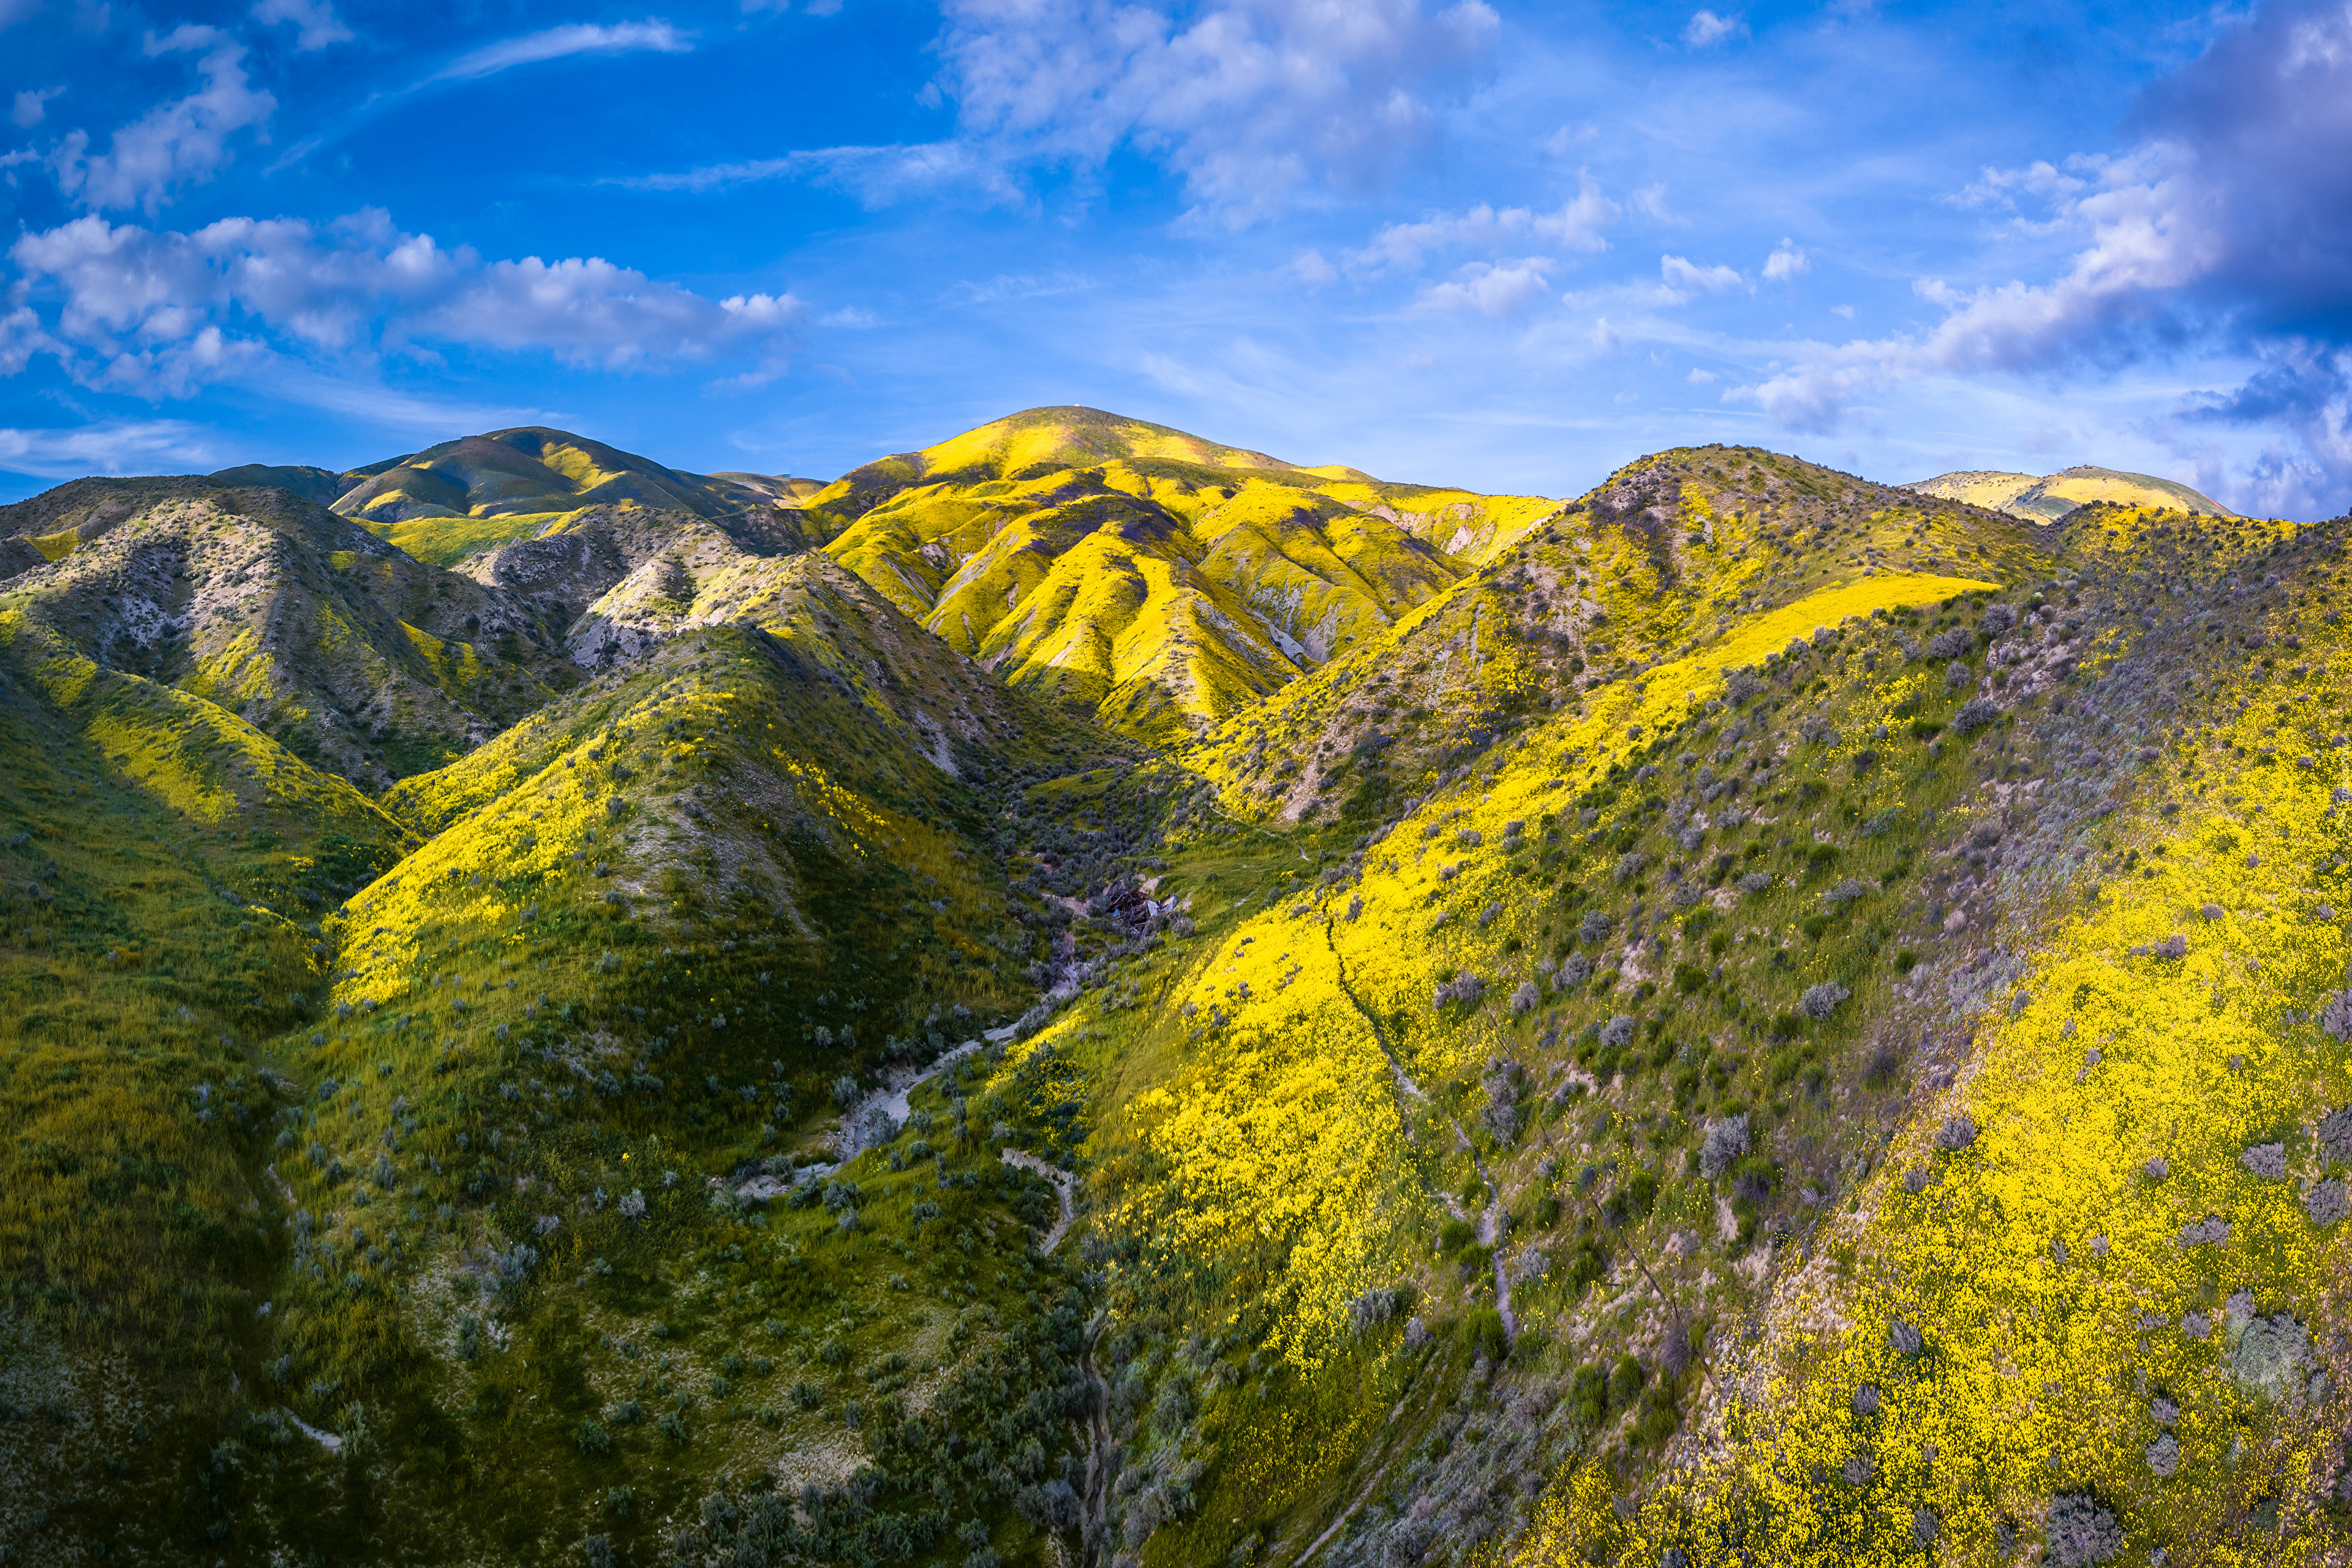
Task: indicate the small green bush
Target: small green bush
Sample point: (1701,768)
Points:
(1625,1380)
(1484,1330)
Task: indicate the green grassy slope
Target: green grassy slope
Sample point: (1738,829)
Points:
(1589,1069)
(652,931)
(164,867)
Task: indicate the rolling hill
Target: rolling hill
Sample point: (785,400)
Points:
(1085,996)
(456,499)
(2053,495)
(1676,554)
(1157,580)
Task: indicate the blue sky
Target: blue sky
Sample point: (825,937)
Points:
(1463,241)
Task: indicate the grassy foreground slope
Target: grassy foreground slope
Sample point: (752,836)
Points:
(1152,578)
(162,868)
(1696,1107)
(693,897)
(658,936)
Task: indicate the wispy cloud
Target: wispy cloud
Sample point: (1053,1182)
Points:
(1576,225)
(1684,279)
(108,446)
(563,43)
(1007,287)
(1705,29)
(316,20)
(31,106)
(875,176)
(360,396)
(1246,102)
(183,141)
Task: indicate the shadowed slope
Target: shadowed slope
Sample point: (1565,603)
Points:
(342,648)
(450,501)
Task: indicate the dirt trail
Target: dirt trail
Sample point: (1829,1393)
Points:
(1405,1086)
(1094,1503)
(1064,1186)
(1490,1221)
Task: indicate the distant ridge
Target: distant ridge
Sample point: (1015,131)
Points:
(462,497)
(2053,495)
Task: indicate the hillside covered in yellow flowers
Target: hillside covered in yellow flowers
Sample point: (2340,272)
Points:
(1083,996)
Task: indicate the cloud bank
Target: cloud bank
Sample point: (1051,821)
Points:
(160,314)
(2225,227)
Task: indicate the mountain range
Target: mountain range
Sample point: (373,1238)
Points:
(1086,995)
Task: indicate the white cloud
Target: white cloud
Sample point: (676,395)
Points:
(588,312)
(182,142)
(1604,336)
(1786,263)
(1498,289)
(1650,201)
(1683,278)
(875,176)
(1309,268)
(1705,29)
(21,337)
(1247,99)
(1575,226)
(2150,236)
(561,43)
(317,19)
(160,313)
(1703,377)
(1008,286)
(114,447)
(1845,310)
(32,106)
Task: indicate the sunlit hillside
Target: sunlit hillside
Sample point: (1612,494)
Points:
(1148,576)
(1089,999)
(2051,497)
(1677,553)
